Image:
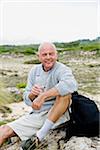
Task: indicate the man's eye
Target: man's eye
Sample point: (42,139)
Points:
(44,54)
(51,54)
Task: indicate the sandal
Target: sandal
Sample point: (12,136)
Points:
(30,144)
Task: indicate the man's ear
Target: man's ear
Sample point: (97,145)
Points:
(57,56)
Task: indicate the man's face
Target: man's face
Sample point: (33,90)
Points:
(47,56)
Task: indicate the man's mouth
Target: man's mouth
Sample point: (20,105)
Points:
(48,62)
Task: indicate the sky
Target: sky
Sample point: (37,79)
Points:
(36,21)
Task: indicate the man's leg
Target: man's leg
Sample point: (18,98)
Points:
(5,132)
(59,108)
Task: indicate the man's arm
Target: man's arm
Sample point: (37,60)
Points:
(30,82)
(38,102)
(36,90)
(66,85)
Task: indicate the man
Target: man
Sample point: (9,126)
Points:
(48,92)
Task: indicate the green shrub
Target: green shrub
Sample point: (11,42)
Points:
(6,121)
(33,61)
(21,85)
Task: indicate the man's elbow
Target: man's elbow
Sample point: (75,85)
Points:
(26,100)
(75,86)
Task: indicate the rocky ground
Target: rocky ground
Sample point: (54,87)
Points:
(55,140)
(86,68)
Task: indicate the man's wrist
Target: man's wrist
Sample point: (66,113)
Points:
(31,97)
(43,96)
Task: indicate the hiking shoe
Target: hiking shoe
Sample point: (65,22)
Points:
(30,144)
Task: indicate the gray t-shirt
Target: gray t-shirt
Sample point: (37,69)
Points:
(60,77)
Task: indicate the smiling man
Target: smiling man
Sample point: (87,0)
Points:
(48,93)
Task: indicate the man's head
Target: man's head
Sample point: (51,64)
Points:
(47,54)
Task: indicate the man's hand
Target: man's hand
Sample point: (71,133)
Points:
(36,90)
(43,96)
(38,102)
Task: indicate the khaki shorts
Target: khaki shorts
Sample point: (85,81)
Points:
(28,125)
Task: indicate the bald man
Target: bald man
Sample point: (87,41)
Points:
(48,93)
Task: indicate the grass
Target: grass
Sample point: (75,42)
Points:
(6,121)
(87,45)
(32,61)
(5,96)
(21,85)
(5,109)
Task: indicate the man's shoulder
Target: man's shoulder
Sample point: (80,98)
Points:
(63,66)
(35,68)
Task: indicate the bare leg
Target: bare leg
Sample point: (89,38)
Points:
(5,132)
(60,106)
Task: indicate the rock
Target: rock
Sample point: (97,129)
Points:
(55,141)
(13,90)
(78,143)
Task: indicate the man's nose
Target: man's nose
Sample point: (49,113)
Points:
(48,56)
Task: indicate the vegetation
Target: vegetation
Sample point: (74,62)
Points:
(24,49)
(6,121)
(5,96)
(32,61)
(21,85)
(85,45)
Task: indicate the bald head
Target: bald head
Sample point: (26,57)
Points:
(46,46)
(47,55)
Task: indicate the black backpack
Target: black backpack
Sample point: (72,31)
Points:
(84,117)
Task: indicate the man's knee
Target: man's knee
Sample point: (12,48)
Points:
(60,106)
(6,131)
(64,99)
